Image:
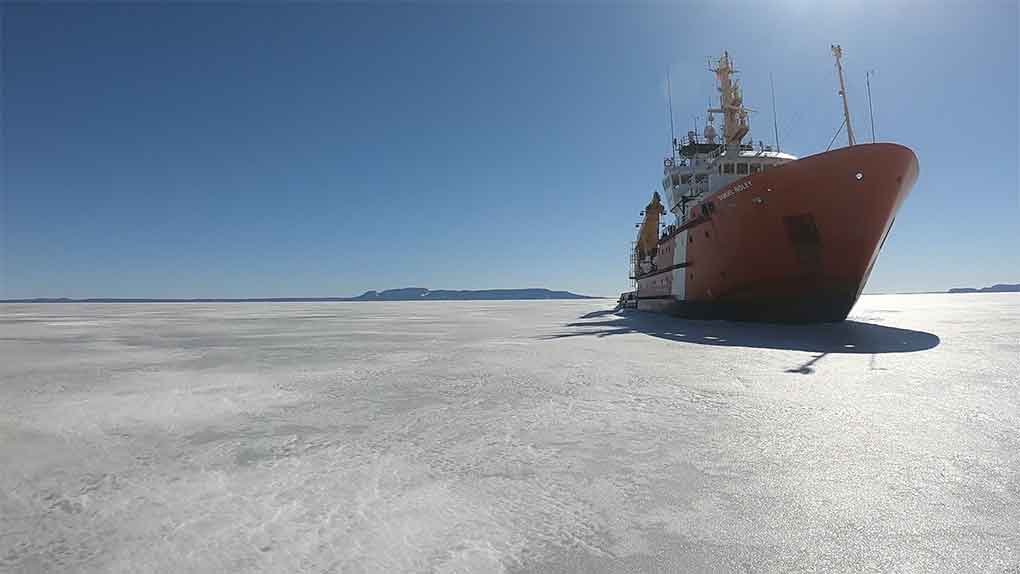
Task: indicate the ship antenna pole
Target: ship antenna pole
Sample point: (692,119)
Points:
(871,111)
(775,122)
(672,132)
(838,53)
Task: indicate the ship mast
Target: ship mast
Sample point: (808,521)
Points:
(731,103)
(838,53)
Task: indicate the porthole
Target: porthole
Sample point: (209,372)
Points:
(859,176)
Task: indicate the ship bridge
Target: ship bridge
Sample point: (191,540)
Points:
(686,180)
(700,165)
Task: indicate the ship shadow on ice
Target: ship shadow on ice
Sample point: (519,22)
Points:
(846,337)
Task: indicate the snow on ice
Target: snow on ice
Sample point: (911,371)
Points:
(543,436)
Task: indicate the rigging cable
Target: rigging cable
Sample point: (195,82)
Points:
(839,129)
(798,111)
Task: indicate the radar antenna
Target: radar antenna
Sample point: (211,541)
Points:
(871,110)
(672,133)
(775,120)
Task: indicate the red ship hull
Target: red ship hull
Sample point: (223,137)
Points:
(793,244)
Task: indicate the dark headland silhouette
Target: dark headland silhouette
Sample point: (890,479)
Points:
(997,288)
(405,294)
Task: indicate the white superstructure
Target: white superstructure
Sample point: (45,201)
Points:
(699,166)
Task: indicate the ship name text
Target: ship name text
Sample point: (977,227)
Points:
(735,189)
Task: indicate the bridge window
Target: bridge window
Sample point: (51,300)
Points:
(742,169)
(727,168)
(755,168)
(685,179)
(676,180)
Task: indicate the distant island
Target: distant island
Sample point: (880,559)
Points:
(405,294)
(997,288)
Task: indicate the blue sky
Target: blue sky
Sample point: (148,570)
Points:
(313,149)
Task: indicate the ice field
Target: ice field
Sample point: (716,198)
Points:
(546,436)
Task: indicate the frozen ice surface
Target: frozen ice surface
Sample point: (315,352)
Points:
(508,437)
